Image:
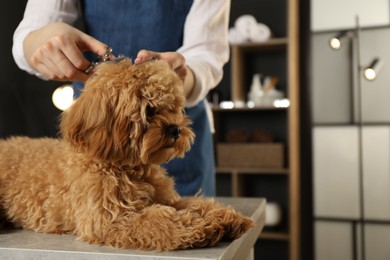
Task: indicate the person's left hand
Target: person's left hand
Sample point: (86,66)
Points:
(175,60)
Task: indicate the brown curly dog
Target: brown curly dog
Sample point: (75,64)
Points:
(102,181)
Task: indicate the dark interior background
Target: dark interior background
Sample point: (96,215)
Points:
(26,107)
(25,101)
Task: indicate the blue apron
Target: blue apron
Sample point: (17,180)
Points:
(128,26)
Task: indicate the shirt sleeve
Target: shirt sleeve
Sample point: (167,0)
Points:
(37,14)
(205,45)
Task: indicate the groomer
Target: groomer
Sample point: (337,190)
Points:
(191,35)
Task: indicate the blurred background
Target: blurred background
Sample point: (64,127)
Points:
(327,171)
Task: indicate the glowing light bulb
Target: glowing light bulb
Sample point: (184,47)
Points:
(369,74)
(282,103)
(335,43)
(63,97)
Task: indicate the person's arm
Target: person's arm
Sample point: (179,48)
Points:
(45,45)
(205,45)
(37,14)
(199,62)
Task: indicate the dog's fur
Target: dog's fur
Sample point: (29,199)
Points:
(103,181)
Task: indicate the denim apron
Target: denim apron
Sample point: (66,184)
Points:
(128,26)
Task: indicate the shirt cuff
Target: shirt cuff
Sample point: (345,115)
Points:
(19,57)
(203,81)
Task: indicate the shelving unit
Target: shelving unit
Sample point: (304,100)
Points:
(239,66)
(279,57)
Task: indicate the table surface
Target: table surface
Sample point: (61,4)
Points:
(22,244)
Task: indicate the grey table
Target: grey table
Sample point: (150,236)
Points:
(18,244)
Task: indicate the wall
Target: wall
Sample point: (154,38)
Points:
(351,131)
(25,101)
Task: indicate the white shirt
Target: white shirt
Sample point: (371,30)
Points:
(205,44)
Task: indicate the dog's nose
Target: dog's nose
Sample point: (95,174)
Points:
(173,131)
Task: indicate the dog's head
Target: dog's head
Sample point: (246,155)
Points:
(130,114)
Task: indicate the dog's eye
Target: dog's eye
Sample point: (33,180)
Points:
(150,112)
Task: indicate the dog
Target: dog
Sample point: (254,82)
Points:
(102,180)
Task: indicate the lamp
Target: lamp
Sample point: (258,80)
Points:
(371,71)
(336,41)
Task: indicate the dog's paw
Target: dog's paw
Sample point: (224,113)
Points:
(234,224)
(239,226)
(209,234)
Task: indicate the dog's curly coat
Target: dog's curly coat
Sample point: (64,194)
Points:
(103,181)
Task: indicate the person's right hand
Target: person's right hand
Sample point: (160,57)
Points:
(56,51)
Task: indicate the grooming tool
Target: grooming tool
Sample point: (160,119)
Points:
(103,58)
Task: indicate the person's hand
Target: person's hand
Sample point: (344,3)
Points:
(56,51)
(176,61)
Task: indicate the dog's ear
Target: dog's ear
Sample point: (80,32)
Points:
(98,124)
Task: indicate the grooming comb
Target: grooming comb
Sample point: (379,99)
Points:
(106,57)
(103,58)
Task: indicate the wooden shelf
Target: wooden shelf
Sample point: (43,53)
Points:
(276,57)
(248,109)
(267,235)
(271,44)
(244,170)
